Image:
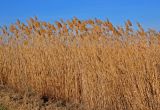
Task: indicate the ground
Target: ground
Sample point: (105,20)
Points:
(11,100)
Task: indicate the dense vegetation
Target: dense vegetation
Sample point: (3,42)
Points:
(89,62)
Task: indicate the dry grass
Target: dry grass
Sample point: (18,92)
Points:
(12,100)
(91,63)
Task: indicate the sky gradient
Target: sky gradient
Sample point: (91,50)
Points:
(147,12)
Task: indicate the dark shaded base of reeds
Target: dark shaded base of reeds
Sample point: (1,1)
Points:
(13,100)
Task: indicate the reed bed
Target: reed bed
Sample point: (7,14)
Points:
(89,62)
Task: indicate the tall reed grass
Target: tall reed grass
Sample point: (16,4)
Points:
(89,62)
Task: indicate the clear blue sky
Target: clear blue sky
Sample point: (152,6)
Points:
(147,12)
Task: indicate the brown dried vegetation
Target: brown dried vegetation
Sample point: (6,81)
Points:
(89,62)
